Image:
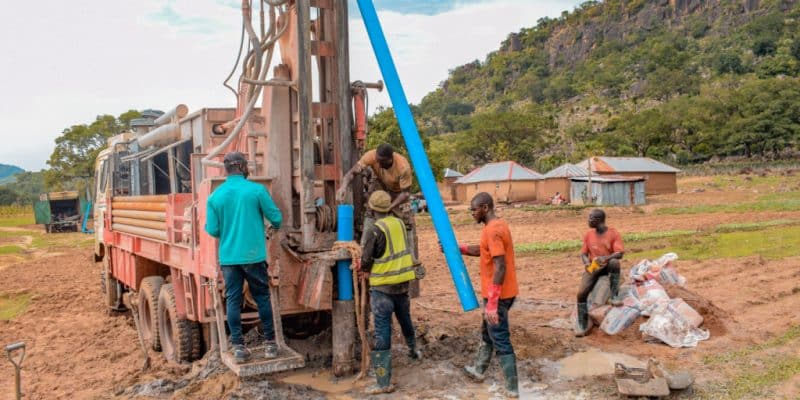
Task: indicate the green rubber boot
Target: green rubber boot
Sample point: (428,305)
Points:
(584,324)
(613,279)
(509,364)
(382,365)
(476,372)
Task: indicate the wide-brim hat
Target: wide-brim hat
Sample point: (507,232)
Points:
(380,201)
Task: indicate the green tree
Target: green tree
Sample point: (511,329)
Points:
(383,128)
(28,186)
(72,161)
(504,135)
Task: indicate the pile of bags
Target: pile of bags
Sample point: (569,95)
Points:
(671,321)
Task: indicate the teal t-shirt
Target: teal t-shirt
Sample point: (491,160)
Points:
(235,214)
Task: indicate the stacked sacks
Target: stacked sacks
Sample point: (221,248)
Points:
(672,321)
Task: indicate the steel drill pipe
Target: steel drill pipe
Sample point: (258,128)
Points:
(149,198)
(140,223)
(145,215)
(176,113)
(162,136)
(146,232)
(418,158)
(125,205)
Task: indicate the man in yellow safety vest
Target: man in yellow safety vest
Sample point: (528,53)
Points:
(388,263)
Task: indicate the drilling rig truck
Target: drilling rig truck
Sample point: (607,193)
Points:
(153,183)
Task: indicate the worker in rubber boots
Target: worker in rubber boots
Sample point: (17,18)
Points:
(235,215)
(601,254)
(387,261)
(392,174)
(499,289)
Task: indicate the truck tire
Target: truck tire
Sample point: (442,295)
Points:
(180,337)
(110,287)
(148,310)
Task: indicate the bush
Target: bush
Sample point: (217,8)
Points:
(764,45)
(728,62)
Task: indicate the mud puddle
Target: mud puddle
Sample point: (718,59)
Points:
(323,381)
(594,362)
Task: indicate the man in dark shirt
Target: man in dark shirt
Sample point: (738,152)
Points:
(388,262)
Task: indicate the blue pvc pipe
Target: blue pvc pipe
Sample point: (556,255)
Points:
(418,157)
(344,232)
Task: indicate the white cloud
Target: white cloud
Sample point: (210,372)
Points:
(70,61)
(425,47)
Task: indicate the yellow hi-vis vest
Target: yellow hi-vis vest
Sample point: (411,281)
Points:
(396,264)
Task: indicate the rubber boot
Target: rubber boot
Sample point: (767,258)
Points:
(584,323)
(613,279)
(509,364)
(476,372)
(382,365)
(413,350)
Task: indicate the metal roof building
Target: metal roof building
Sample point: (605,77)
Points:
(608,190)
(500,171)
(660,178)
(557,181)
(566,171)
(451,173)
(506,181)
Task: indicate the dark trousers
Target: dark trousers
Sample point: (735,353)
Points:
(498,336)
(588,280)
(383,305)
(256,276)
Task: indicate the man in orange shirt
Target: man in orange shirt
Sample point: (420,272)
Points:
(603,245)
(498,289)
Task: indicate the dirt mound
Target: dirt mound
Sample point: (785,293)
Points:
(713,317)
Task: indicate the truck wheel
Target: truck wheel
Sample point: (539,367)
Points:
(148,310)
(110,286)
(180,337)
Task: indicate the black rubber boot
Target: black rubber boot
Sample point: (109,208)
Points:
(413,351)
(476,372)
(509,364)
(613,280)
(584,323)
(382,365)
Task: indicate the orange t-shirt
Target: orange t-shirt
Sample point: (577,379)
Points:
(606,244)
(496,241)
(397,178)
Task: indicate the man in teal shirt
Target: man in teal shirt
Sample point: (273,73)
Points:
(235,215)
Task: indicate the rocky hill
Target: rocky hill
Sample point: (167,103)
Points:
(679,80)
(7,172)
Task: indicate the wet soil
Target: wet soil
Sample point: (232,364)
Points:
(77,350)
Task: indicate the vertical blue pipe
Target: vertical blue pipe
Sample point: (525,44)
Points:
(418,157)
(344,232)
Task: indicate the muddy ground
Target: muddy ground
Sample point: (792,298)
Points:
(77,350)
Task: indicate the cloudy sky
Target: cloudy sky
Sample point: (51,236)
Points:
(65,62)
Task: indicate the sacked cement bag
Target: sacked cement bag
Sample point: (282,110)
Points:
(669,326)
(670,276)
(687,312)
(600,293)
(598,313)
(630,297)
(619,318)
(650,293)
